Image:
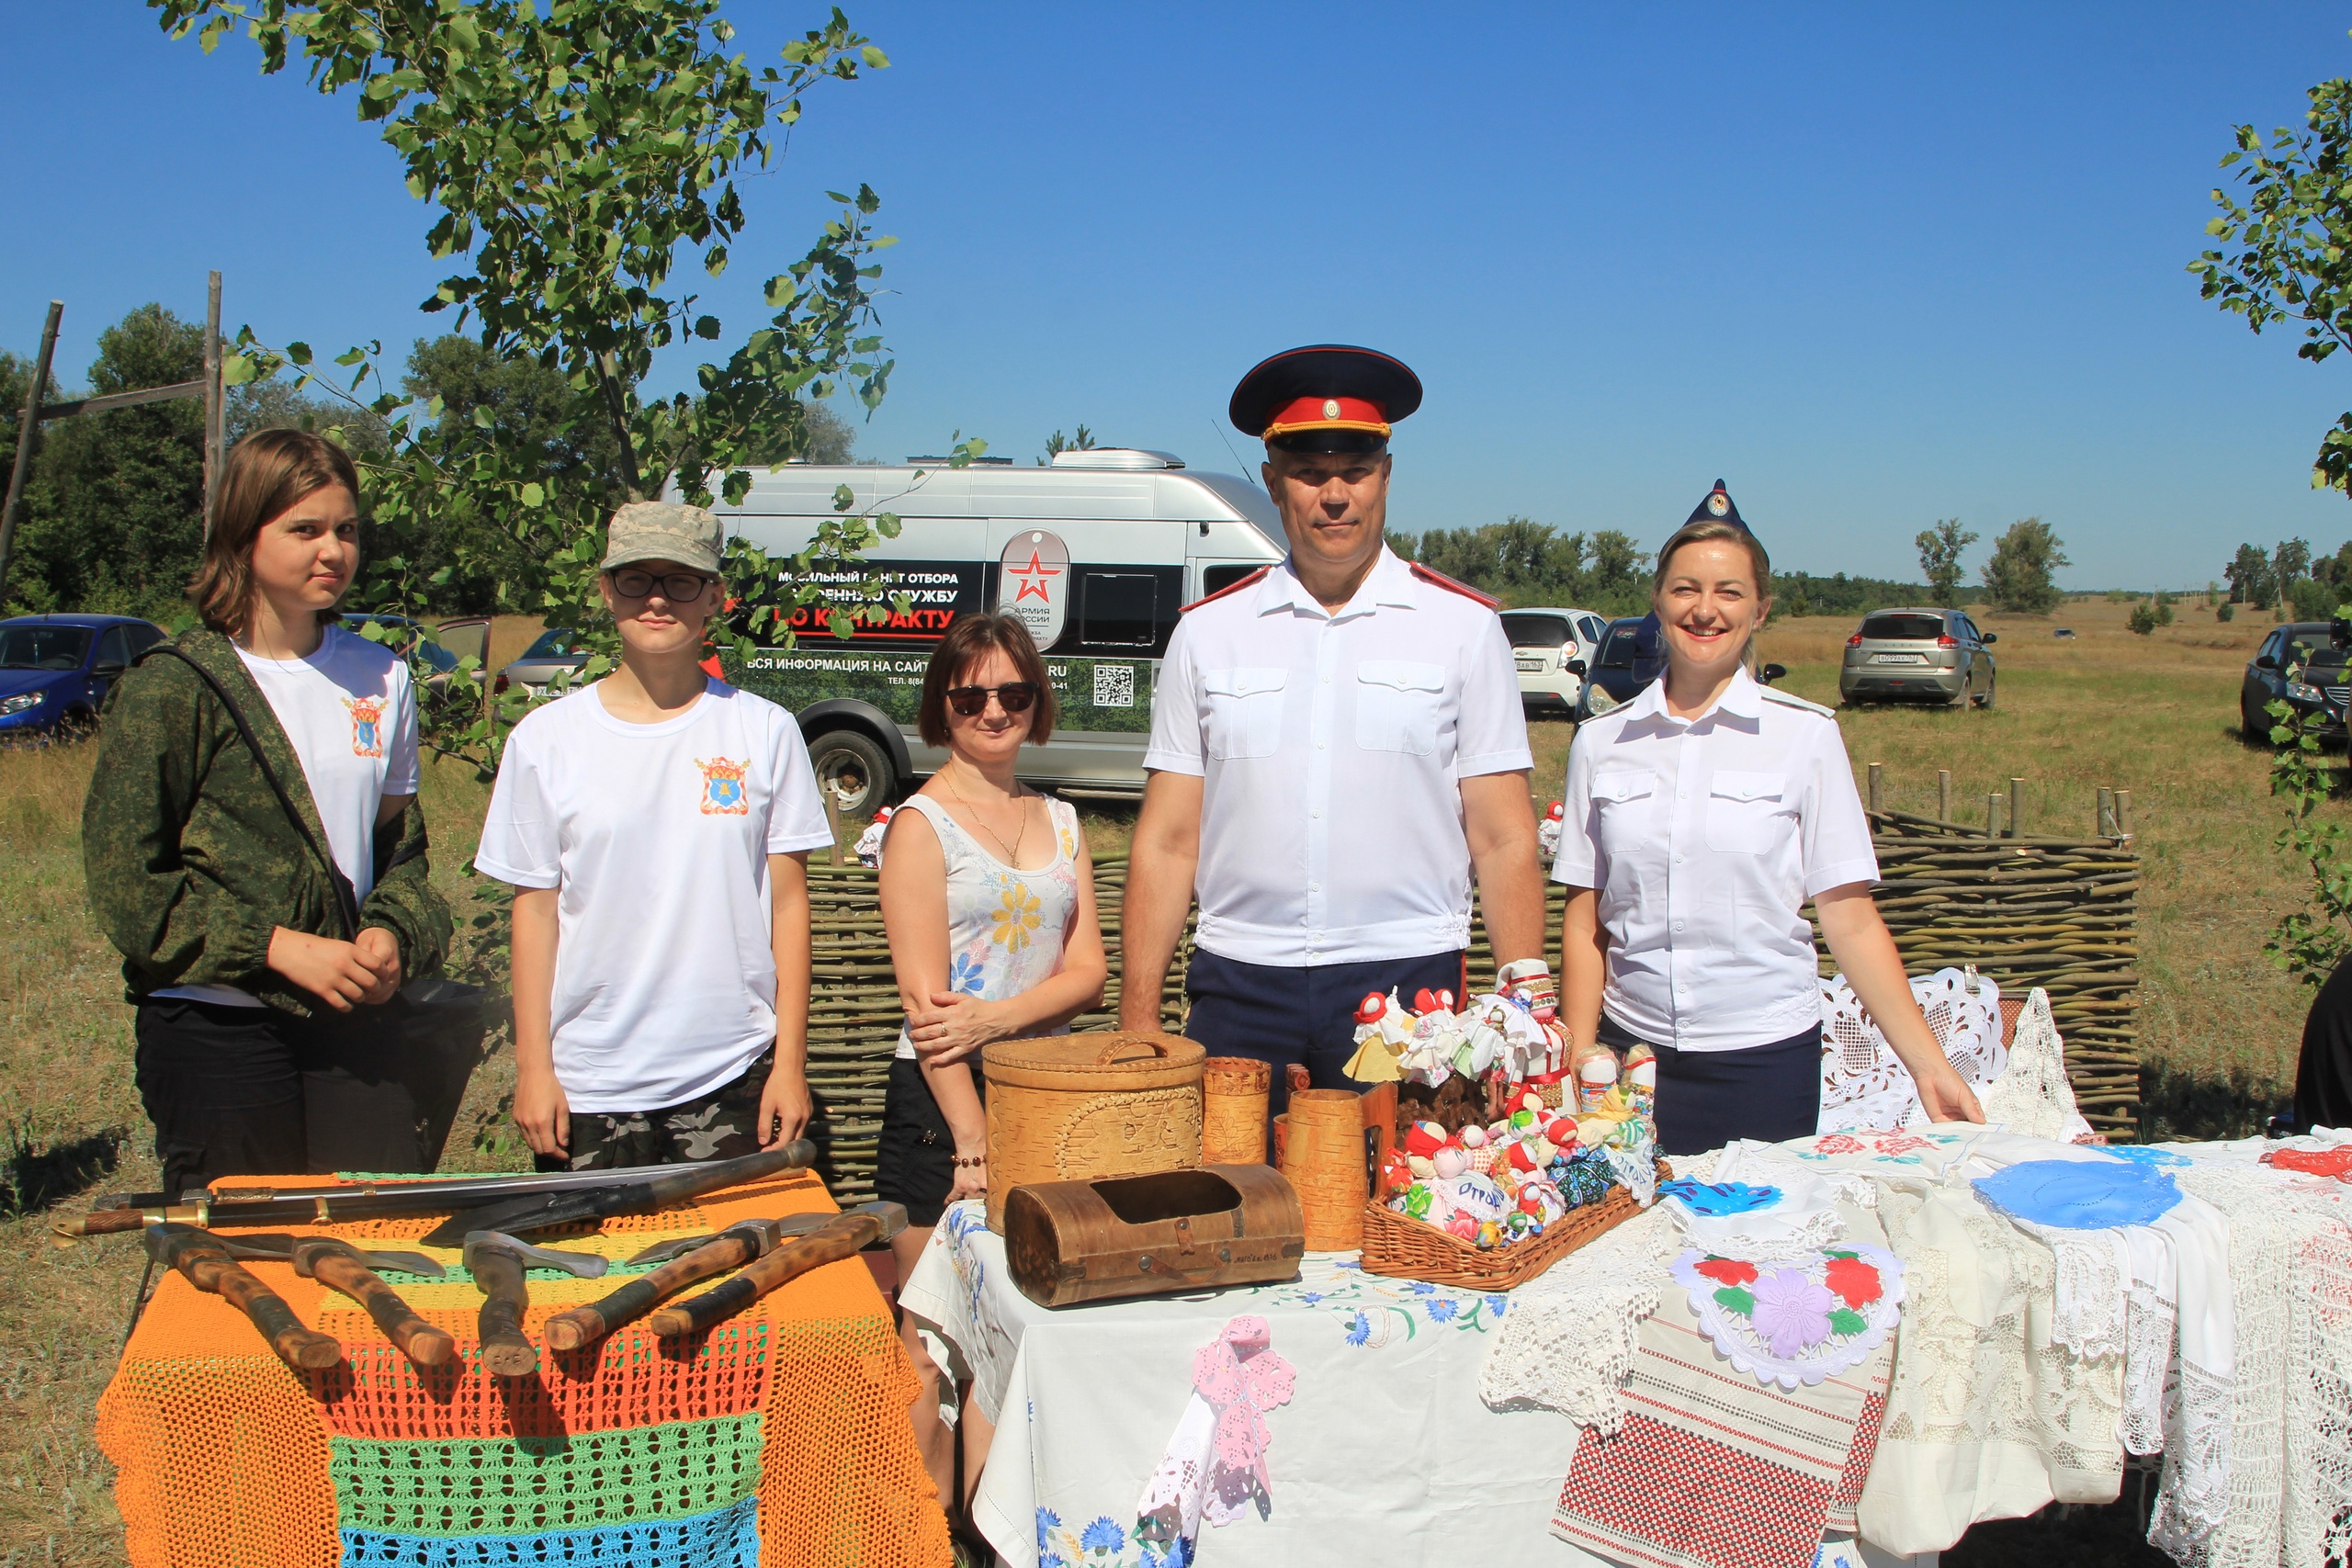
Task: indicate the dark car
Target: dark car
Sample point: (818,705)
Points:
(1617,670)
(1918,654)
(54,670)
(2318,687)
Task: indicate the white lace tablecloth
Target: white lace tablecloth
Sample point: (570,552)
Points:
(1381,1452)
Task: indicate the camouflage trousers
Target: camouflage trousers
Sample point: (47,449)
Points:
(722,1124)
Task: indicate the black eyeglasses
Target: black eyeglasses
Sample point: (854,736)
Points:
(1013,697)
(677,586)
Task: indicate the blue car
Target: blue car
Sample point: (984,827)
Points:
(54,670)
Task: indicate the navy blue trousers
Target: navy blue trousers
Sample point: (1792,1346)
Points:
(1706,1098)
(1280,1015)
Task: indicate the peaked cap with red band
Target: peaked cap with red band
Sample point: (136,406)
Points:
(1324,387)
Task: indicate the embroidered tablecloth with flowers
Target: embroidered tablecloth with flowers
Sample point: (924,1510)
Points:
(1329,1418)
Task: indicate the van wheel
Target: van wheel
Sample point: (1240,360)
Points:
(853,771)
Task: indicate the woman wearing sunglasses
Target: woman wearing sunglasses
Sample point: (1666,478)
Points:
(988,897)
(656,827)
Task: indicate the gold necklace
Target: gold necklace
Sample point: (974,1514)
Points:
(1011,850)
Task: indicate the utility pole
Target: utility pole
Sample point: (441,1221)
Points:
(28,439)
(214,424)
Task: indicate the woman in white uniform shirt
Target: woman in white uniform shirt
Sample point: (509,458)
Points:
(1700,818)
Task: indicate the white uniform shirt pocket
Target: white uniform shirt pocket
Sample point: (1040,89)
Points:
(1622,798)
(1244,712)
(1748,814)
(1398,706)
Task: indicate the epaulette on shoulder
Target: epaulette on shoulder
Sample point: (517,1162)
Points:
(1236,586)
(1439,579)
(1791,700)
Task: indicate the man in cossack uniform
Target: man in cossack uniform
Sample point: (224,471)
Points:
(1337,744)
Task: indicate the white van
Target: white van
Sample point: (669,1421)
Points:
(1097,553)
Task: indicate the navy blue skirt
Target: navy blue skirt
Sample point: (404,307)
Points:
(1706,1098)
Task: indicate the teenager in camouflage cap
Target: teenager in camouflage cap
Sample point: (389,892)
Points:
(656,828)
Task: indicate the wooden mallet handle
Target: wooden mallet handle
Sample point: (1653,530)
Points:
(842,1237)
(505,1349)
(579,1325)
(209,1268)
(418,1340)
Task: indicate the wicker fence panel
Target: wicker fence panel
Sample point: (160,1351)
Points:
(2057,913)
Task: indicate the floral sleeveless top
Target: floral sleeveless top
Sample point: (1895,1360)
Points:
(1005,926)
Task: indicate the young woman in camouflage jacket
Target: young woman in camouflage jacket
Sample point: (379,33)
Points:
(256,949)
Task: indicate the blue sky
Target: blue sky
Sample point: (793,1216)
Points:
(1874,266)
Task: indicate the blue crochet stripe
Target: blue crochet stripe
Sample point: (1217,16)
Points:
(725,1537)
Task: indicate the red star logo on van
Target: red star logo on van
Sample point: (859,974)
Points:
(1033,579)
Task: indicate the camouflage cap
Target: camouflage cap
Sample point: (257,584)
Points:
(665,530)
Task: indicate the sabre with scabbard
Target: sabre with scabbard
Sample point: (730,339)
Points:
(697,1257)
(401,1200)
(843,1235)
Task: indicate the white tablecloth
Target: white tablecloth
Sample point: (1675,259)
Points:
(1382,1453)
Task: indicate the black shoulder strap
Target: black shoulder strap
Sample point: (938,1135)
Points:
(347,896)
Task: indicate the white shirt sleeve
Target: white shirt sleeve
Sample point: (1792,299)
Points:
(1836,833)
(1578,863)
(795,811)
(400,757)
(1176,711)
(521,841)
(1490,731)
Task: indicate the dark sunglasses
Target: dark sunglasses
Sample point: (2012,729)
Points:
(678,587)
(1013,697)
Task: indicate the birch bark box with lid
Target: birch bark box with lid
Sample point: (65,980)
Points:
(1074,1107)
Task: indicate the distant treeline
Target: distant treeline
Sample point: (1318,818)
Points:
(1524,562)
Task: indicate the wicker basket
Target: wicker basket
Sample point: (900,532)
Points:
(1073,1107)
(1408,1249)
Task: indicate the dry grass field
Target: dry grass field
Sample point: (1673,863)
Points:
(2151,714)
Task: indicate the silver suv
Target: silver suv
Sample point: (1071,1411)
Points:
(1918,655)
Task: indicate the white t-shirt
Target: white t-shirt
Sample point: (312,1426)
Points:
(1332,750)
(657,837)
(350,713)
(1704,837)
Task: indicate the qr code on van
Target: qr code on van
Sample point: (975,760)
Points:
(1114,685)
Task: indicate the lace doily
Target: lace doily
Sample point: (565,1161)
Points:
(1568,1342)
(2088,1313)
(1796,1218)
(2032,1095)
(1864,1085)
(1798,1323)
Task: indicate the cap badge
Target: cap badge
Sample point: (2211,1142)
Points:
(1719,504)
(1330,408)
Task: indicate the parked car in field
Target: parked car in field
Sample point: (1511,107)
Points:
(410,639)
(2319,684)
(54,670)
(1914,654)
(1552,648)
(1610,678)
(553,650)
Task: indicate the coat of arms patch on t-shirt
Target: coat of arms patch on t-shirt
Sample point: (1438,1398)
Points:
(367,726)
(722,787)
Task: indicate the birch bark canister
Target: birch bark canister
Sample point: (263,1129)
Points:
(1323,1157)
(1074,1107)
(1233,1111)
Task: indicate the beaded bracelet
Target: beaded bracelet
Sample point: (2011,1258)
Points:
(962,1163)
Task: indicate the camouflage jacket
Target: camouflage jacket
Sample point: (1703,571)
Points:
(191,860)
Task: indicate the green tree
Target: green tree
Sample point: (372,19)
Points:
(2290,562)
(2142,620)
(114,515)
(1939,551)
(1057,444)
(2286,252)
(2251,581)
(2025,558)
(573,151)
